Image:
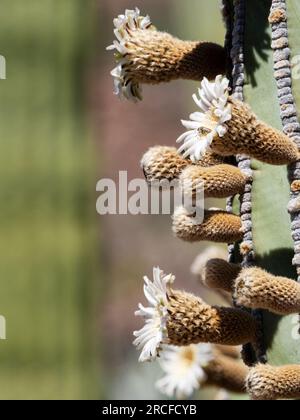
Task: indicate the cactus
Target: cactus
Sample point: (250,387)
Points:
(270,196)
(256,125)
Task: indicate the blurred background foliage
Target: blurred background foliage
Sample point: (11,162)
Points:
(71,280)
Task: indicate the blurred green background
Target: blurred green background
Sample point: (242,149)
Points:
(69,280)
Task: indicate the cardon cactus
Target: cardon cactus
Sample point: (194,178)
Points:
(242,143)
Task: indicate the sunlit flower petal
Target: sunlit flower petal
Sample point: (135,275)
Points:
(126,87)
(150,338)
(203,126)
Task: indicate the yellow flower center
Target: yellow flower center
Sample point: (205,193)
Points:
(188,355)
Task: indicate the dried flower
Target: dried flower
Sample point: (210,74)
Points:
(266,382)
(145,55)
(218,226)
(228,127)
(184,369)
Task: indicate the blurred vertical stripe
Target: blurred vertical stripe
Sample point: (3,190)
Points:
(48,242)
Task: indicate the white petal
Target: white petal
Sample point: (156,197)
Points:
(124,25)
(191,125)
(150,337)
(184,136)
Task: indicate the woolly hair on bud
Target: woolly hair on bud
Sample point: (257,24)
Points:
(218,181)
(163,162)
(217,226)
(266,382)
(191,321)
(247,135)
(228,373)
(209,253)
(220,274)
(198,267)
(255,288)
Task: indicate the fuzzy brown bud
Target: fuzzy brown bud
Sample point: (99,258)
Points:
(218,181)
(255,288)
(163,162)
(191,321)
(266,382)
(227,373)
(145,55)
(219,274)
(217,226)
(247,135)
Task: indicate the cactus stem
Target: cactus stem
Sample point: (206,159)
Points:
(288,111)
(244,164)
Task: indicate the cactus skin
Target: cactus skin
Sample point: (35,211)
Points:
(271,222)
